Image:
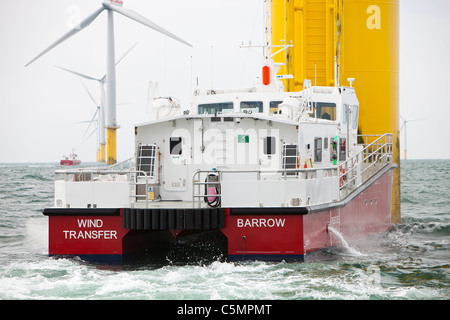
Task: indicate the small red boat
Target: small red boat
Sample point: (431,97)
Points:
(70,160)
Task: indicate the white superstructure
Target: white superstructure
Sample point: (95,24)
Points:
(251,147)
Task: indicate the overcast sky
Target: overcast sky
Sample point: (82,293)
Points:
(40,104)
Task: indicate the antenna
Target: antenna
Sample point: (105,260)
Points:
(268,29)
(267,51)
(351,80)
(315,74)
(212,67)
(336,72)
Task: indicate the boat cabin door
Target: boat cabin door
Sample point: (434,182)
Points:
(269,154)
(175,162)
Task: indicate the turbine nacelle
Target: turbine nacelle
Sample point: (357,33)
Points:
(115,2)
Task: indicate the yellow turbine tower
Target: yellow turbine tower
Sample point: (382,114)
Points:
(335,40)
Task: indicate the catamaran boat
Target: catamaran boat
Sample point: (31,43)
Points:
(70,160)
(244,174)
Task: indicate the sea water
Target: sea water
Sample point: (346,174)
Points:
(412,261)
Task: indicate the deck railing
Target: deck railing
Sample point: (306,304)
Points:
(200,176)
(116,172)
(362,166)
(375,153)
(352,173)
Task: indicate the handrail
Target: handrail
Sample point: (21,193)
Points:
(377,152)
(197,182)
(107,170)
(361,166)
(259,172)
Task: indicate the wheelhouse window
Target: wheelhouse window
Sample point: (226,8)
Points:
(213,108)
(324,110)
(251,106)
(274,106)
(318,150)
(269,145)
(175,145)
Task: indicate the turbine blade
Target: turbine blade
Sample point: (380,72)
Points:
(421,119)
(93,131)
(79,74)
(92,120)
(86,22)
(123,56)
(89,93)
(138,18)
(80,122)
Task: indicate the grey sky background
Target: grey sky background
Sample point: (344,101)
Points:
(40,104)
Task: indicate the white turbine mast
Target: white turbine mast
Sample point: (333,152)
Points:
(403,127)
(100,107)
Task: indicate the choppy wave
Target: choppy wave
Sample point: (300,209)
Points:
(409,262)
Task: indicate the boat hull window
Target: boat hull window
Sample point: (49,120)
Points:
(269,145)
(175,145)
(214,108)
(324,110)
(251,106)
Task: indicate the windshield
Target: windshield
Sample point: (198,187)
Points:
(213,108)
(252,106)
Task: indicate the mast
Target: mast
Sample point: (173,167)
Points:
(268,30)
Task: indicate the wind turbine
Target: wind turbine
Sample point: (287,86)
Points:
(98,117)
(405,122)
(110,6)
(100,108)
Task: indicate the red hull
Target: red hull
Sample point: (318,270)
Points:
(277,236)
(70,162)
(250,233)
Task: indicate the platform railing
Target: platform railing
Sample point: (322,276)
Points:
(361,167)
(133,177)
(199,176)
(198,181)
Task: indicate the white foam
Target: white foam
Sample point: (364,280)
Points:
(348,249)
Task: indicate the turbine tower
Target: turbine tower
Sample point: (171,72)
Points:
(101,117)
(110,6)
(405,122)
